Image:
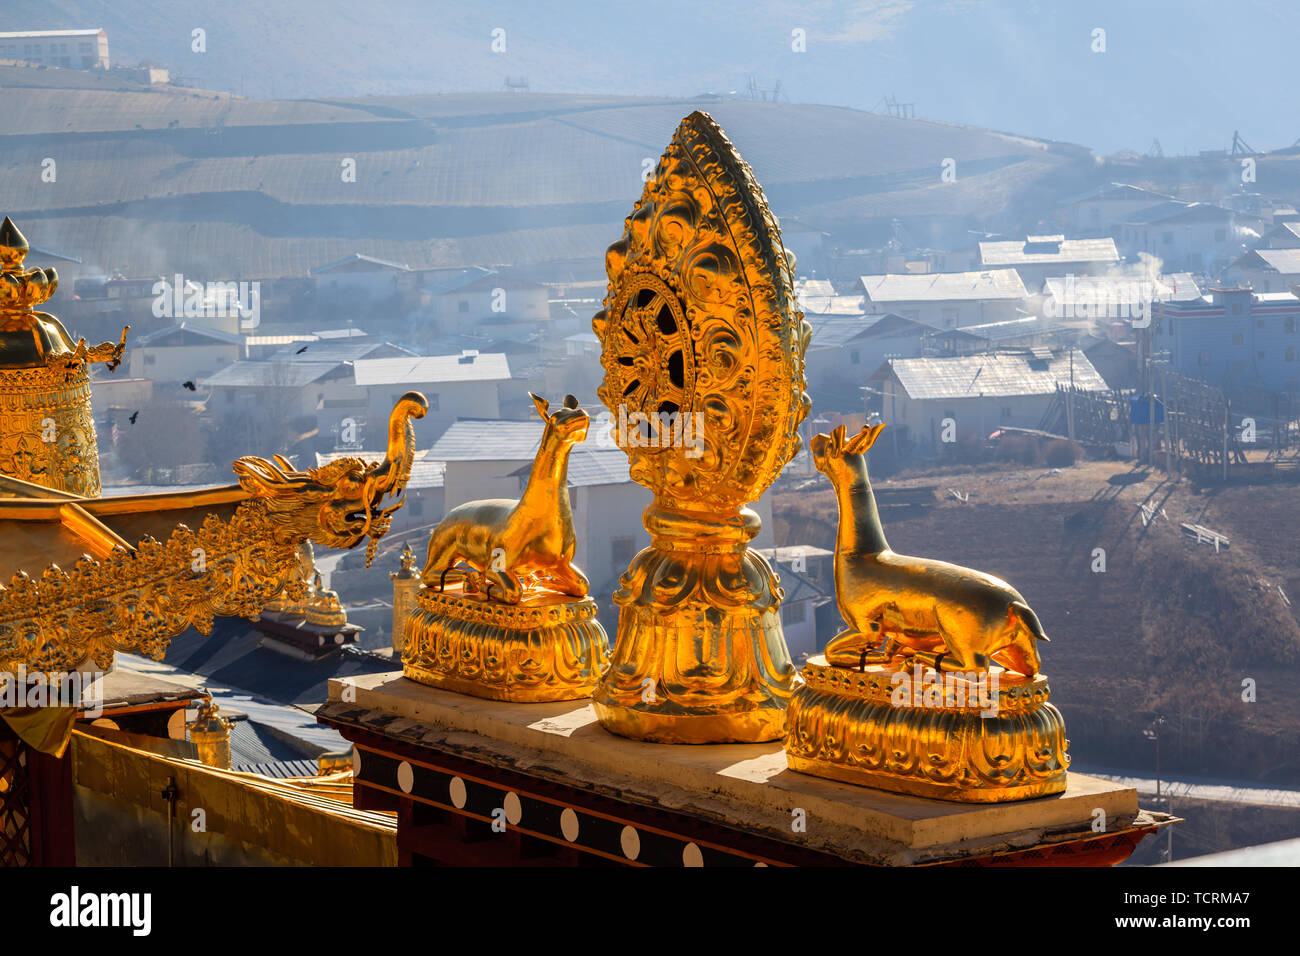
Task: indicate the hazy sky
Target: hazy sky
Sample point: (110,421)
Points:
(1187,73)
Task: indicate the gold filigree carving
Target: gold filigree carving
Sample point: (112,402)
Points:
(981,743)
(140,599)
(701,335)
(547,647)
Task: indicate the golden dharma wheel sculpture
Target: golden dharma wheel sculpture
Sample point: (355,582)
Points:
(703,352)
(47,429)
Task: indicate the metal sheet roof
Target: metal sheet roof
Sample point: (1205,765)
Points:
(995,374)
(484,367)
(939,286)
(1283,260)
(481,439)
(490,439)
(1029,252)
(245,374)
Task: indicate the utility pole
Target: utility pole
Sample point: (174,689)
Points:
(1153,733)
(1069,400)
(1227,425)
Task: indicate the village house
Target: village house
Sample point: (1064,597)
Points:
(456,386)
(947,300)
(183,353)
(845,348)
(300,380)
(1197,237)
(487,302)
(358,276)
(958,398)
(1041,256)
(1103,210)
(1234,338)
(1285,235)
(1268,270)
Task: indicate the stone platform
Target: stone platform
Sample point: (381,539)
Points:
(743,788)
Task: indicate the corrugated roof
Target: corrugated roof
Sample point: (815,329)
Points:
(1177,209)
(834,331)
(481,439)
(1283,260)
(1177,287)
(350,332)
(207,332)
(246,374)
(493,439)
(358,257)
(598,467)
(334,352)
(832,304)
(938,286)
(1112,192)
(281,769)
(492,366)
(995,374)
(285,339)
(1046,250)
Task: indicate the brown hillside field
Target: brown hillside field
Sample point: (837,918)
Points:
(1169,627)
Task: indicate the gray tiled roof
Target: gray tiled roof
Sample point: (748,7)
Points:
(995,374)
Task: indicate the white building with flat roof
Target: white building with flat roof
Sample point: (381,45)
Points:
(69,49)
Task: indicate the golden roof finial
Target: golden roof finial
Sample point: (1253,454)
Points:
(13,246)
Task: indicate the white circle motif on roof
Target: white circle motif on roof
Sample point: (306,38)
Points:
(569,824)
(631,843)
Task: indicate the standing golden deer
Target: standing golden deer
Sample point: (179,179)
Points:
(953,618)
(516,543)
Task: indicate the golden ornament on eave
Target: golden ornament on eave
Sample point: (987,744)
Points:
(47,430)
(703,352)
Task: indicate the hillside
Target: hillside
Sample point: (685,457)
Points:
(169,179)
(1169,627)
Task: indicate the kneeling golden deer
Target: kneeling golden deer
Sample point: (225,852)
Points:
(954,618)
(514,544)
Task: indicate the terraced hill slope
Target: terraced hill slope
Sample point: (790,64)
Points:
(164,180)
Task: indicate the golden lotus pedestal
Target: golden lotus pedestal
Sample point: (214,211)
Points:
(907,729)
(549,647)
(700,656)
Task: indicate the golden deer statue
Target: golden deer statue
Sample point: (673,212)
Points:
(947,616)
(513,544)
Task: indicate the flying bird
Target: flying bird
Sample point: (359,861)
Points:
(189,385)
(134,416)
(301,350)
